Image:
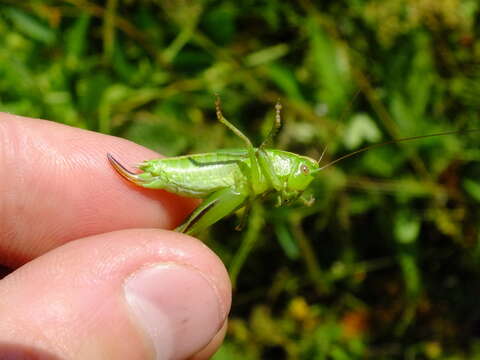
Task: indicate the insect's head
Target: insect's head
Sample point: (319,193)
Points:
(303,174)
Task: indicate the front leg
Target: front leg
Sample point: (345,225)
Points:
(268,170)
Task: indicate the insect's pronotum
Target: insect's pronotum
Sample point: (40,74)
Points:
(230,179)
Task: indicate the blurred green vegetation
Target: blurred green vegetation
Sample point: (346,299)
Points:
(386,263)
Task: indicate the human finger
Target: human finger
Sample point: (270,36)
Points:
(130,294)
(57,185)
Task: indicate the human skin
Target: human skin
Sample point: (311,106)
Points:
(93,275)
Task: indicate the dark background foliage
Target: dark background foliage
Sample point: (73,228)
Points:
(385,264)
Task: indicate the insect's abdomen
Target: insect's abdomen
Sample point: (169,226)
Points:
(195,175)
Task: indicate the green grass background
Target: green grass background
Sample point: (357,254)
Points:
(385,264)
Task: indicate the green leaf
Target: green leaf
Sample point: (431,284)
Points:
(287,242)
(361,128)
(30,25)
(407,227)
(330,68)
(77,40)
(285,80)
(472,187)
(267,55)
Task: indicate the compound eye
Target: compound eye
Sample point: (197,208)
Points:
(304,169)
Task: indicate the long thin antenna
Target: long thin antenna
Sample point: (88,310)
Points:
(393,142)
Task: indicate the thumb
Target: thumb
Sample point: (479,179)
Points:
(131,294)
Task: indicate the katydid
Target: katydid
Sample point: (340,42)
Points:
(228,180)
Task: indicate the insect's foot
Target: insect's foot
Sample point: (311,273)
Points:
(308,202)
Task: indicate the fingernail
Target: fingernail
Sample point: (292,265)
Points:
(177,307)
